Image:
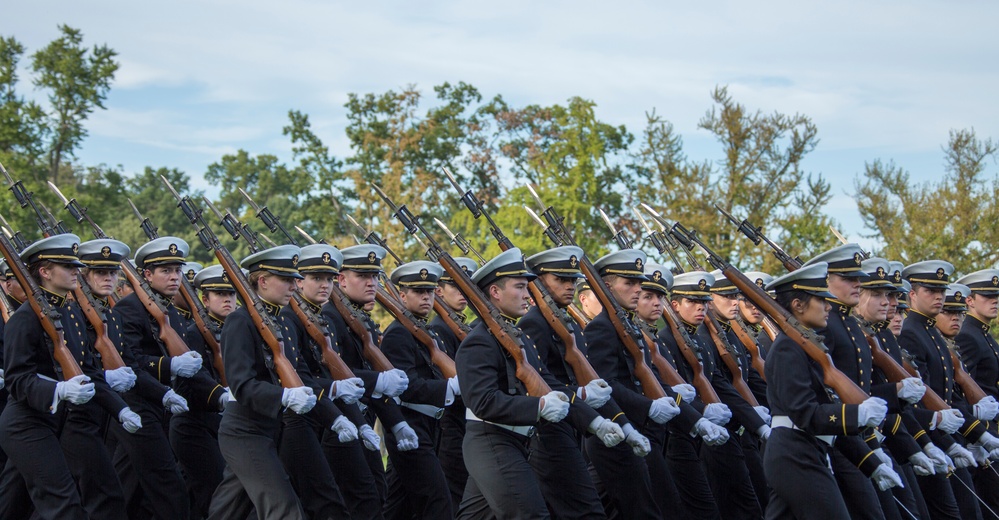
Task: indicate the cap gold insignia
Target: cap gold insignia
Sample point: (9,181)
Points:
(465,268)
(105,251)
(190,274)
(372,257)
(856,258)
(423,274)
(898,276)
(656,276)
(959,297)
(881,272)
(702,284)
(638,263)
(573,261)
(327,258)
(759,281)
(995,280)
(225,277)
(75,248)
(172,249)
(294,261)
(940,273)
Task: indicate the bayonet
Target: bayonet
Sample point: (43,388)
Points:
(459,240)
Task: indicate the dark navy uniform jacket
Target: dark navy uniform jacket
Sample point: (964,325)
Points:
(980,353)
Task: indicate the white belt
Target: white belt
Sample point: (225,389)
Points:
(426,409)
(526,431)
(783,421)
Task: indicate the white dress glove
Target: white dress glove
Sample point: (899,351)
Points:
(962,458)
(554,406)
(979,453)
(77,390)
(883,457)
(369,438)
(717,413)
(639,443)
(186,364)
(988,441)
(912,390)
(941,462)
(922,464)
(763,432)
(686,391)
(949,421)
(224,399)
(453,386)
(763,412)
(348,390)
(300,399)
(391,383)
(596,393)
(663,410)
(345,430)
(2,383)
(175,403)
(405,437)
(886,478)
(607,431)
(129,420)
(121,379)
(710,433)
(986,408)
(872,412)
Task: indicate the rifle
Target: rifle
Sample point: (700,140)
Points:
(556,318)
(447,314)
(739,327)
(110,357)
(459,240)
(847,390)
(315,326)
(263,322)
(199,314)
(50,318)
(627,331)
(972,391)
(506,334)
(15,236)
(756,235)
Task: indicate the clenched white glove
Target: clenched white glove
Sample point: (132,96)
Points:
(452,384)
(391,383)
(121,379)
(596,393)
(77,390)
(639,443)
(710,433)
(186,364)
(941,462)
(348,390)
(979,453)
(922,464)
(912,390)
(687,392)
(764,432)
(405,437)
(663,410)
(717,413)
(175,403)
(129,420)
(962,458)
(607,431)
(886,478)
(986,408)
(872,411)
(554,406)
(224,399)
(300,399)
(763,412)
(988,441)
(949,420)
(369,438)
(345,430)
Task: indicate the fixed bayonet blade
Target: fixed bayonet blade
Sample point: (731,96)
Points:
(306,235)
(249,200)
(839,235)
(58,192)
(445,228)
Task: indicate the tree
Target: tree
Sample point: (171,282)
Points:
(332,194)
(22,123)
(78,81)
(942,219)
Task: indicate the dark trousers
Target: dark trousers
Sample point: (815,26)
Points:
(254,474)
(664,490)
(565,480)
(858,490)
(349,464)
(730,481)
(308,470)
(452,432)
(801,484)
(939,497)
(753,452)
(194,438)
(622,480)
(921,511)
(501,483)
(987,487)
(29,439)
(417,487)
(89,462)
(146,466)
(691,480)
(965,495)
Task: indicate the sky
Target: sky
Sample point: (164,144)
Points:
(201,79)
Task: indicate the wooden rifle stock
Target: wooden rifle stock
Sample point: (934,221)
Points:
(972,392)
(175,346)
(770,327)
(197,310)
(355,322)
(110,357)
(895,373)
(580,365)
(50,319)
(5,308)
(577,315)
(457,328)
(700,381)
(334,363)
(751,346)
(440,359)
(729,359)
(669,374)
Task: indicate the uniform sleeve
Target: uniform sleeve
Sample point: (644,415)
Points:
(400,347)
(239,351)
(792,392)
(601,342)
(478,362)
(135,331)
(22,337)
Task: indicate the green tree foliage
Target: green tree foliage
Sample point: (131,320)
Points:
(947,219)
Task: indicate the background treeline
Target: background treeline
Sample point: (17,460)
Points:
(401,140)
